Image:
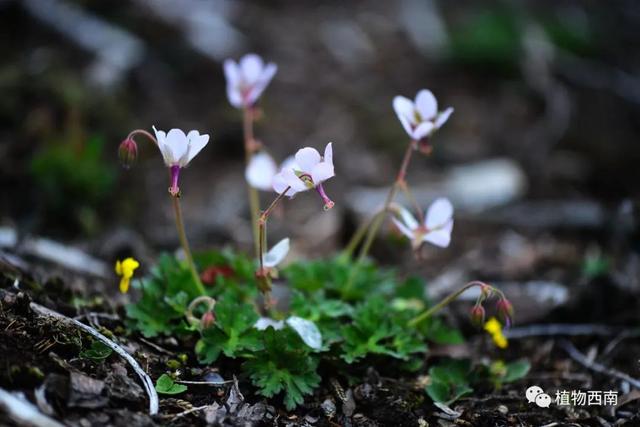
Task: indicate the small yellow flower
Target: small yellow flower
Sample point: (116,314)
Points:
(125,269)
(494,328)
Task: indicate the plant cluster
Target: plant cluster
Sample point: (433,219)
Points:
(342,310)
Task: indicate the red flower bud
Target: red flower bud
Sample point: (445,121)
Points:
(477,316)
(207,320)
(505,311)
(128,152)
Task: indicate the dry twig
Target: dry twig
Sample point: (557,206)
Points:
(595,366)
(146,381)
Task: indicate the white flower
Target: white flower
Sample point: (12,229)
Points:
(308,170)
(437,226)
(179,149)
(276,254)
(262,169)
(247,79)
(420,118)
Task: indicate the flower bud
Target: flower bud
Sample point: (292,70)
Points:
(128,152)
(477,315)
(207,320)
(505,311)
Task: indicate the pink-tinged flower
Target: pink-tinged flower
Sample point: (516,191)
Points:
(178,150)
(420,118)
(247,79)
(436,228)
(308,170)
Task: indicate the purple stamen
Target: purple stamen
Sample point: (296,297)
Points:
(174,190)
(328,203)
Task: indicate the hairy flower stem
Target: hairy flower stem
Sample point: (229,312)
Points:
(254,200)
(262,225)
(377,220)
(185,246)
(178,214)
(446,301)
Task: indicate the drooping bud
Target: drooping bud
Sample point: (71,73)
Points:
(477,316)
(207,320)
(505,311)
(128,152)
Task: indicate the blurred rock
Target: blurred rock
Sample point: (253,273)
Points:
(205,23)
(117,50)
(546,214)
(423,23)
(472,188)
(347,42)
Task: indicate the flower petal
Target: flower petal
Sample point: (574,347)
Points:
(280,184)
(440,237)
(290,163)
(251,66)
(403,107)
(167,155)
(328,153)
(196,143)
(403,228)
(232,74)
(276,254)
(321,172)
(426,104)
(260,171)
(439,213)
(262,82)
(423,130)
(408,218)
(307,330)
(307,158)
(177,145)
(264,322)
(293,181)
(442,117)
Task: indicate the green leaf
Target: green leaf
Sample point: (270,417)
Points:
(232,333)
(450,380)
(377,329)
(285,366)
(516,370)
(166,385)
(98,351)
(165,296)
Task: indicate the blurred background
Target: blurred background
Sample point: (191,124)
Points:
(541,157)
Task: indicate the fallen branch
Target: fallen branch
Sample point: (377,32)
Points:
(595,366)
(24,412)
(146,381)
(212,383)
(189,411)
(558,329)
